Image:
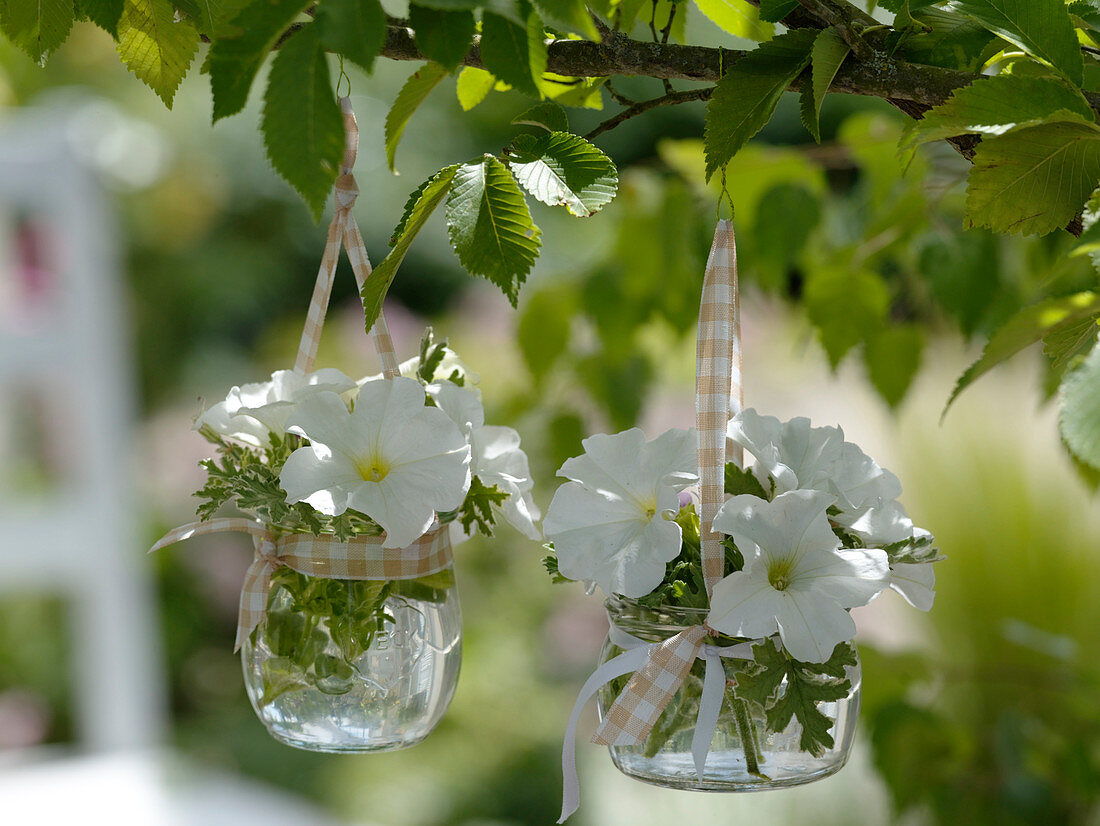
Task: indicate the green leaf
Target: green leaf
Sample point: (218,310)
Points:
(235,59)
(412,94)
(736,17)
(1042,28)
(1080,418)
(1034,180)
(574,13)
(543,331)
(511,52)
(892,356)
(104,13)
(828,53)
(550,116)
(774,11)
(473,86)
(1066,343)
(739,481)
(580,92)
(846,305)
(155,46)
(949,40)
(748,93)
(1088,242)
(1025,328)
(355,29)
(561,169)
(302,125)
(37,26)
(443,36)
(210,17)
(760,679)
(418,210)
(490,227)
(998,105)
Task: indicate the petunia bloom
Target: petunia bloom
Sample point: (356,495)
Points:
(797,580)
(611,523)
(391,457)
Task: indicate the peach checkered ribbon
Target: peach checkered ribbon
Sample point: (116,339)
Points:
(659,669)
(361,557)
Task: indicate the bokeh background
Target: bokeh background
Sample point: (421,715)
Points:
(983,711)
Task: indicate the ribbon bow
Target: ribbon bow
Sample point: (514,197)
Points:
(659,670)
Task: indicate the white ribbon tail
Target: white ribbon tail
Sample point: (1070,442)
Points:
(710,706)
(626,663)
(232,523)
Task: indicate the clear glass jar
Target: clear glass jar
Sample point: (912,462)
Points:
(773,760)
(354,666)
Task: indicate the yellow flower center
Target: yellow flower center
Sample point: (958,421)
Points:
(779,574)
(650,509)
(373,468)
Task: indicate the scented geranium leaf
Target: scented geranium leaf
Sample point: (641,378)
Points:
(997,105)
(473,86)
(892,356)
(574,13)
(104,13)
(739,480)
(806,687)
(37,26)
(949,40)
(490,227)
(420,206)
(828,53)
(775,10)
(550,116)
(746,96)
(1080,419)
(511,53)
(443,36)
(1042,28)
(760,679)
(235,59)
(1065,344)
(412,94)
(561,169)
(736,17)
(355,29)
(156,46)
(302,125)
(1027,327)
(846,305)
(1033,181)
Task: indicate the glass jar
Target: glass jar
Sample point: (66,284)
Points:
(772,760)
(342,665)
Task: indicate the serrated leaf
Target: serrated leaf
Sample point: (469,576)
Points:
(746,96)
(998,105)
(442,36)
(948,40)
(235,59)
(892,356)
(104,13)
(828,53)
(1035,180)
(550,116)
(739,481)
(489,226)
(1042,28)
(846,305)
(418,210)
(412,94)
(1025,328)
(156,46)
(37,26)
(210,17)
(511,54)
(1080,418)
(561,169)
(355,29)
(473,86)
(1066,343)
(773,11)
(574,13)
(736,17)
(302,125)
(759,681)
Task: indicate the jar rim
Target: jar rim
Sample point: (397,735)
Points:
(617,603)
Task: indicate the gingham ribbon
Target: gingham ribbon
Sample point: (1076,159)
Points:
(343,230)
(659,669)
(362,557)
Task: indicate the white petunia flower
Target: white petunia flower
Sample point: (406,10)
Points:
(253,411)
(611,523)
(797,580)
(391,458)
(916,582)
(794,454)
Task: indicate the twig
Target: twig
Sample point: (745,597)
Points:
(844,22)
(645,105)
(617,96)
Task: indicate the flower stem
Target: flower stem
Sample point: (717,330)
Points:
(748,736)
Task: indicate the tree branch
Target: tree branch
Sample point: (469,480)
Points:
(637,108)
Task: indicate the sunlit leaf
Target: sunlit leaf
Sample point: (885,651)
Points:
(561,169)
(412,94)
(156,46)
